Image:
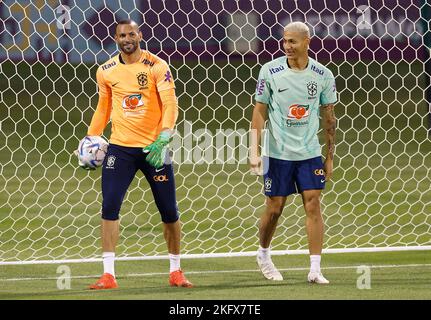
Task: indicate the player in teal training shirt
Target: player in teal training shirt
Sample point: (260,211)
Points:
(291,92)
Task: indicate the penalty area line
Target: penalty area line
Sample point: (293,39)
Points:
(151,274)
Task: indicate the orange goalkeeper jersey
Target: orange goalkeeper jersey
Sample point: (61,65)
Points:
(129,95)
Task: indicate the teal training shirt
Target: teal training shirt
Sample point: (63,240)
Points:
(293,98)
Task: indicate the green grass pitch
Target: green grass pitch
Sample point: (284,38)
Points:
(393,275)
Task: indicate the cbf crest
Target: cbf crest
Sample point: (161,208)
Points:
(142,80)
(312,88)
(110,162)
(268,184)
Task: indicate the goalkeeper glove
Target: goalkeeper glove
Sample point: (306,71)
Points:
(157,150)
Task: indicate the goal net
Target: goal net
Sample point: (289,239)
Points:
(379,198)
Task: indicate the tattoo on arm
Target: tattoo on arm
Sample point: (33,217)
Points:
(329,127)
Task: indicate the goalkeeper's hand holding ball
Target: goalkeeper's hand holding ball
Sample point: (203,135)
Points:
(157,150)
(84,166)
(78,155)
(91,152)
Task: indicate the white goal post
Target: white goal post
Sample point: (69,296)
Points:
(380,195)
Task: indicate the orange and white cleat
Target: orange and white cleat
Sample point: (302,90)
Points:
(106,281)
(177,279)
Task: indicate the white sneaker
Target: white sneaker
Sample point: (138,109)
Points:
(317,277)
(269,270)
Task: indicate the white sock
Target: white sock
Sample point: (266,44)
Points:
(108,262)
(174,262)
(264,253)
(315,263)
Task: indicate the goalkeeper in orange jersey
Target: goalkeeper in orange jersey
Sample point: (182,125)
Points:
(137,92)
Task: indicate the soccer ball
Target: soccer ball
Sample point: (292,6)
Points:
(91,152)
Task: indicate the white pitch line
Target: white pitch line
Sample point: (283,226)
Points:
(134,275)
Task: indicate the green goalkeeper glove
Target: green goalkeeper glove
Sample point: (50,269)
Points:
(157,150)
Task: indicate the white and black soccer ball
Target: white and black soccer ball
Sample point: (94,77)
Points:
(91,152)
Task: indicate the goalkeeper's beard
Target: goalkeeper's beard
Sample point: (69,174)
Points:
(133,46)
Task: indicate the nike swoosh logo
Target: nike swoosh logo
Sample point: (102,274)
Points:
(322,181)
(158,170)
(281,90)
(116,83)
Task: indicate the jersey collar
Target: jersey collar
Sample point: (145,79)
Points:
(307,67)
(120,59)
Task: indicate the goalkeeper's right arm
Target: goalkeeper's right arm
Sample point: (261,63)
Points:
(104,106)
(102,114)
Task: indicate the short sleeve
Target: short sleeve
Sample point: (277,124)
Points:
(262,87)
(163,76)
(329,92)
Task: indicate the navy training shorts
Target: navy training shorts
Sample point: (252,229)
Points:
(118,170)
(285,177)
